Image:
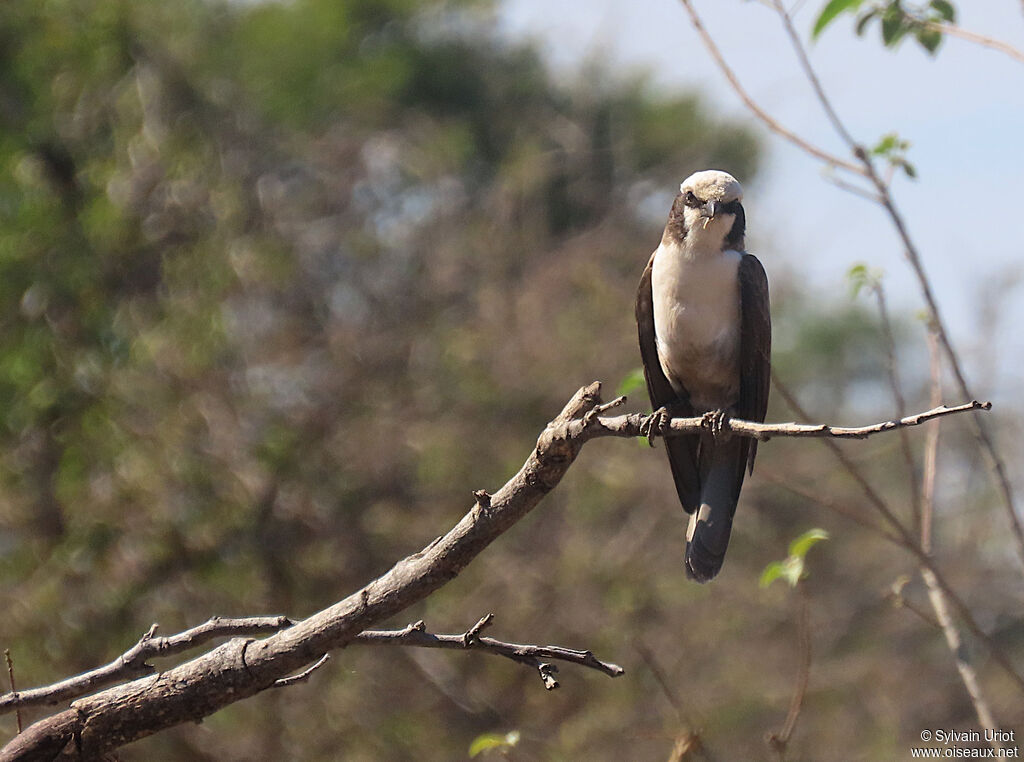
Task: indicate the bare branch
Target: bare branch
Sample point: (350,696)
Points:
(904,538)
(242,667)
(779,741)
(896,387)
(416,635)
(14,685)
(304,675)
(132,662)
(913,257)
(825,501)
(630,425)
(936,596)
(769,122)
(866,169)
(952,30)
(899,600)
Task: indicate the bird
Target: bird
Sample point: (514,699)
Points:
(704,324)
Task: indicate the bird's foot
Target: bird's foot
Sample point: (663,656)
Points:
(656,424)
(714,421)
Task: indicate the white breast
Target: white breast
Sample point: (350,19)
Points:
(697,323)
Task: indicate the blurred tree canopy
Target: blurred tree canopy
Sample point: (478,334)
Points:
(281,284)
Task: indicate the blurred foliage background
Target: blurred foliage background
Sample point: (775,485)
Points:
(282,283)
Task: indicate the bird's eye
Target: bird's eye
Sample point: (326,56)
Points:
(691,200)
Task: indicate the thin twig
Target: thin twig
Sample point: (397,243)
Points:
(935,594)
(896,387)
(304,675)
(14,685)
(825,501)
(856,190)
(805,63)
(771,123)
(132,662)
(913,257)
(688,742)
(630,425)
(952,30)
(534,656)
(906,540)
(779,741)
(895,594)
(931,449)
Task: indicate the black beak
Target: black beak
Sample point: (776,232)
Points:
(711,209)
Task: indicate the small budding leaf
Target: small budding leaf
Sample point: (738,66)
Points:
(861,276)
(793,568)
(771,573)
(799,547)
(489,741)
(858,278)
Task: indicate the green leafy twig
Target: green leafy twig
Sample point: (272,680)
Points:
(494,742)
(927,23)
(793,568)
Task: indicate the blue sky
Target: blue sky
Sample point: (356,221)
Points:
(963,112)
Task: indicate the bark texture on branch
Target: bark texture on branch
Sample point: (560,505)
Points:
(244,666)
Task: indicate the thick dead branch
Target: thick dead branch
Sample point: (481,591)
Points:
(132,662)
(242,667)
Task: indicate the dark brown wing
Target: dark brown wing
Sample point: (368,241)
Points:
(755,347)
(682,451)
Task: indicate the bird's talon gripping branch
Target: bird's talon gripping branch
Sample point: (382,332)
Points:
(714,421)
(656,424)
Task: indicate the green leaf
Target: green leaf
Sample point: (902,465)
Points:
(489,741)
(894,25)
(945,10)
(907,167)
(930,39)
(799,547)
(858,276)
(888,142)
(771,573)
(862,22)
(633,380)
(830,12)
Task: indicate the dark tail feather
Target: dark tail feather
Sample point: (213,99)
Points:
(682,458)
(710,527)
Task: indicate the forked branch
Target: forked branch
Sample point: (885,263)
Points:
(244,666)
